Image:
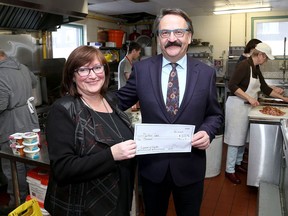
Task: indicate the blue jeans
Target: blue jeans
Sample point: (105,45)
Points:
(234,157)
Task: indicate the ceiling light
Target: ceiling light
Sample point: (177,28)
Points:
(244,10)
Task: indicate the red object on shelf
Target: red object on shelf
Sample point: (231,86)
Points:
(133,36)
(116,36)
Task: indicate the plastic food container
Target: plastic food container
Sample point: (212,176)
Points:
(38,131)
(32,154)
(16,137)
(38,179)
(17,149)
(30,137)
(30,146)
(19,139)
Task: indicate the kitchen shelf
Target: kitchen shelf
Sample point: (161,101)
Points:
(202,53)
(210,47)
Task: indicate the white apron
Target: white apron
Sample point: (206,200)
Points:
(236,115)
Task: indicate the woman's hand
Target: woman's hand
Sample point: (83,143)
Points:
(278,90)
(201,140)
(285,99)
(253,101)
(124,150)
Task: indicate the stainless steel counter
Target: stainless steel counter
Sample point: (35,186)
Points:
(265,148)
(284,168)
(266,168)
(42,161)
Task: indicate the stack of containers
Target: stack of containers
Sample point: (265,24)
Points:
(37,179)
(30,143)
(16,143)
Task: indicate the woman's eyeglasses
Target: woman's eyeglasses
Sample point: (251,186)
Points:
(178,33)
(85,71)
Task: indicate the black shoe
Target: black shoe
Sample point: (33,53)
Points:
(240,168)
(233,178)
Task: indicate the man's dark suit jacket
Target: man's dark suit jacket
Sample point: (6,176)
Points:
(199,107)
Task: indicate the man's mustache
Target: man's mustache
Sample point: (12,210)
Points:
(175,43)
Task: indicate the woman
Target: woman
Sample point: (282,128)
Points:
(90,143)
(245,83)
(250,46)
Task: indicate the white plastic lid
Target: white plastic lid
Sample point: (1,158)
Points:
(29,135)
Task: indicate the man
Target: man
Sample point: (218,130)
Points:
(181,174)
(125,66)
(17,114)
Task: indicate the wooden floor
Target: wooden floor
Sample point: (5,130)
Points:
(223,198)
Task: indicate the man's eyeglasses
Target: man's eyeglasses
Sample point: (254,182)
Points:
(85,71)
(178,33)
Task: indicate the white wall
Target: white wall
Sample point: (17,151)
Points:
(221,31)
(217,29)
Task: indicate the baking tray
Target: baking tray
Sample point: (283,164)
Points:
(272,102)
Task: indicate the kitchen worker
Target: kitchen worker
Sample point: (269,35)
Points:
(17,115)
(192,101)
(244,84)
(250,46)
(243,150)
(125,66)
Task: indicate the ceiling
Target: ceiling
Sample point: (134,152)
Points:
(192,7)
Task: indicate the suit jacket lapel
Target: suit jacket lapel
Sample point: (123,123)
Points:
(192,76)
(155,72)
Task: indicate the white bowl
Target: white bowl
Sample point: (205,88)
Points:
(30,137)
(32,154)
(31,146)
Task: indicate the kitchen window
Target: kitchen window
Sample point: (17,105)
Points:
(271,30)
(66,39)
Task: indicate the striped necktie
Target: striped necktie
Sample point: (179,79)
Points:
(172,100)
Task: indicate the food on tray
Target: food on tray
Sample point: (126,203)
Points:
(270,110)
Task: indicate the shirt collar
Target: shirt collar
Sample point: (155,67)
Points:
(181,62)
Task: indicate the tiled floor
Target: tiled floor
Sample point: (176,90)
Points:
(222,198)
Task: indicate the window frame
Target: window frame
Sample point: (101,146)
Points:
(79,39)
(255,20)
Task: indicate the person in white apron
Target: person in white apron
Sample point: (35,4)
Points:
(245,84)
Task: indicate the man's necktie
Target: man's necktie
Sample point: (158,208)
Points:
(172,100)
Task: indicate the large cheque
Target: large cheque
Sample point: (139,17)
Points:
(163,138)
